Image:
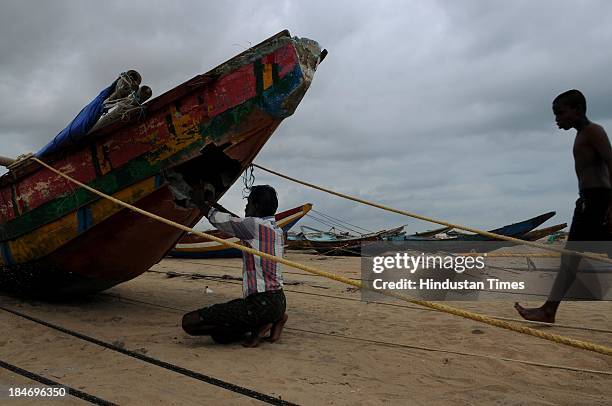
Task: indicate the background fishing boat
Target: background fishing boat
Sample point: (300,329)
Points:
(460,242)
(57,238)
(511,230)
(328,244)
(299,241)
(432,233)
(194,246)
(543,232)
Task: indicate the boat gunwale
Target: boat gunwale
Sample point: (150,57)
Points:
(151,106)
(11,179)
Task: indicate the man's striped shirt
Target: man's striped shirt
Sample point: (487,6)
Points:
(260,233)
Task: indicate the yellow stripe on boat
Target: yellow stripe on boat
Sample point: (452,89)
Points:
(267,76)
(52,236)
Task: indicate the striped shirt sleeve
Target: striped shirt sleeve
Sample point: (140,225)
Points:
(243,228)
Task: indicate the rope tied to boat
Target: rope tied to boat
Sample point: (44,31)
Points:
(248,179)
(489,234)
(132,102)
(598,348)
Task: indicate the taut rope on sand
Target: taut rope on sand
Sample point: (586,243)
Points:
(441,222)
(380,342)
(602,349)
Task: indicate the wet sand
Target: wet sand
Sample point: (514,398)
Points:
(335,349)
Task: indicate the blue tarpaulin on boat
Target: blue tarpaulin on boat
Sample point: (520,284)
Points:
(78,127)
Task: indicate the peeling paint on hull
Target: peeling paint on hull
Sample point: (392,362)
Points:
(55,234)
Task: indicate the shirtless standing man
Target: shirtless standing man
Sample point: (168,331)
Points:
(592,219)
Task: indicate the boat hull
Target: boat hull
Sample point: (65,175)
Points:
(118,249)
(57,238)
(349,247)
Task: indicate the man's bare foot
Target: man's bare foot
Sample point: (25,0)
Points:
(277,329)
(536,314)
(255,339)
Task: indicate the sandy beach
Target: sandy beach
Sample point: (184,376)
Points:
(335,349)
(306,130)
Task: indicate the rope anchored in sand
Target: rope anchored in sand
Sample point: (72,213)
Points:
(437,306)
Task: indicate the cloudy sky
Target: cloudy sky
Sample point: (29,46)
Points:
(437,107)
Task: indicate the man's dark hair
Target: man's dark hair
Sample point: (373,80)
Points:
(572,98)
(264,196)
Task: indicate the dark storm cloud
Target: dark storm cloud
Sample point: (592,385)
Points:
(441,107)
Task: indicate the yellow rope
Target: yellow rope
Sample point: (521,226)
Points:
(516,254)
(510,254)
(441,222)
(437,306)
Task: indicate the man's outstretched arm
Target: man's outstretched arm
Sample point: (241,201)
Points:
(243,228)
(220,217)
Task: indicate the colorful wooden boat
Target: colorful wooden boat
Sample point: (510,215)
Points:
(194,246)
(58,239)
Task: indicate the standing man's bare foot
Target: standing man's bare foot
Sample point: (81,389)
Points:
(542,314)
(277,329)
(255,338)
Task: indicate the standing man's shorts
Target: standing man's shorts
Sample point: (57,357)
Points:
(588,223)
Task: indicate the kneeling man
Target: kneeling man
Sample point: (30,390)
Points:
(262,308)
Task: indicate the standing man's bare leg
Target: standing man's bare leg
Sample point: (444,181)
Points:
(564,280)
